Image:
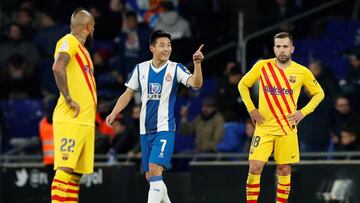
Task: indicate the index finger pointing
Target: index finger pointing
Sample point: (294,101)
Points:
(199,49)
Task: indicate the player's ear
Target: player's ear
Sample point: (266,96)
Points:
(292,49)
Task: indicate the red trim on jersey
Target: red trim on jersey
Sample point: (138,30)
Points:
(279,86)
(275,98)
(90,65)
(78,59)
(270,105)
(253,185)
(65,190)
(286,82)
(64,199)
(251,201)
(282,200)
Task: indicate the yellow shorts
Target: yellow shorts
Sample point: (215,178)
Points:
(74,147)
(285,148)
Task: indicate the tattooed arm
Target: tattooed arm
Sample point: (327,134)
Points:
(59,69)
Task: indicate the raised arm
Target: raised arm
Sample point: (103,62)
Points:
(59,69)
(196,79)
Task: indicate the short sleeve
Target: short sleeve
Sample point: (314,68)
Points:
(66,45)
(133,79)
(183,74)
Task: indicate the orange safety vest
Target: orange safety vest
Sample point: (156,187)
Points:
(102,127)
(47,141)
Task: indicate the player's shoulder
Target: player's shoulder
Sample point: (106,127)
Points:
(143,64)
(173,63)
(68,38)
(261,62)
(300,67)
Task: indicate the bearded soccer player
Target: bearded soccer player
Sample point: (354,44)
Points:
(280,82)
(74,114)
(158,80)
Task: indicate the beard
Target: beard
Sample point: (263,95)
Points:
(283,59)
(89,42)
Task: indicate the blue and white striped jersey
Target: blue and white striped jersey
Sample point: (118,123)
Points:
(158,88)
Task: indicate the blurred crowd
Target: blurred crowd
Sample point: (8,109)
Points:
(209,120)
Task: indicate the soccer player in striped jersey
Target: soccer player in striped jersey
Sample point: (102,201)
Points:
(157,80)
(280,82)
(74,114)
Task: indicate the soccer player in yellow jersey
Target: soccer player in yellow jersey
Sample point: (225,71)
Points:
(74,114)
(280,82)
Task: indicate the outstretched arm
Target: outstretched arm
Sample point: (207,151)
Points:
(196,79)
(121,103)
(59,69)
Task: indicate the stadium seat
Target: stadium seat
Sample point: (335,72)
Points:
(21,120)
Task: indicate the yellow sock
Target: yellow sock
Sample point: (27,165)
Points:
(252,188)
(62,190)
(283,189)
(74,184)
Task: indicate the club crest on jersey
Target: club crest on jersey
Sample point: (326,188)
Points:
(292,78)
(65,157)
(168,77)
(154,91)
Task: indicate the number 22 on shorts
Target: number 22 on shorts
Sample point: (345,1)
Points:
(67,145)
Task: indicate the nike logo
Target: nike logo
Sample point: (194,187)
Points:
(293,156)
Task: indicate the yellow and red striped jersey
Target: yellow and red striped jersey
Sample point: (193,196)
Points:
(279,90)
(80,81)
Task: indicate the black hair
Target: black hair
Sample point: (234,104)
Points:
(168,5)
(235,71)
(158,34)
(131,14)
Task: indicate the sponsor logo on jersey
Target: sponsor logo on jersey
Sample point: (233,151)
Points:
(154,91)
(277,91)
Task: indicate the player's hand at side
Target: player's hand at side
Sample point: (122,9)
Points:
(295,118)
(198,55)
(110,119)
(256,117)
(74,106)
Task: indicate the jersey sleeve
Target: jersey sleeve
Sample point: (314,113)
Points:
(247,82)
(66,45)
(183,74)
(133,79)
(315,91)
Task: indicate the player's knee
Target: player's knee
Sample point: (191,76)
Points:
(256,168)
(283,169)
(155,170)
(66,169)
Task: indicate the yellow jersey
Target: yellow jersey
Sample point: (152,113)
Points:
(80,81)
(279,90)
